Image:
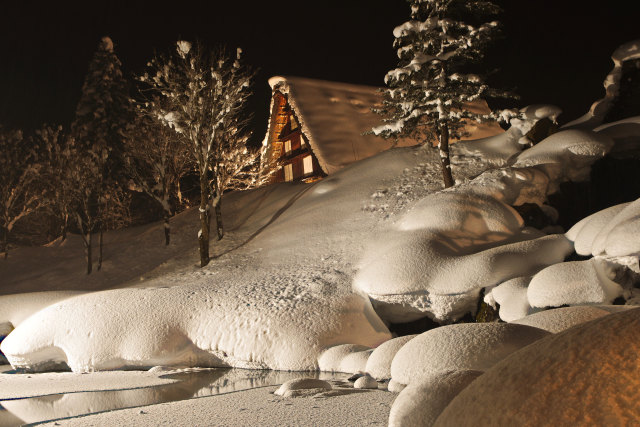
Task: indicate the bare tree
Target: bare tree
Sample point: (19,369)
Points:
(113,213)
(21,190)
(157,158)
(58,150)
(205,94)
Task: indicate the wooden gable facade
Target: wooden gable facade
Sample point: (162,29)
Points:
(289,148)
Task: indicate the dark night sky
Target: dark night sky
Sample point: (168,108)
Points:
(554,51)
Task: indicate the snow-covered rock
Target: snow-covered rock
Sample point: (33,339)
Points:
(420,264)
(621,235)
(584,232)
(625,133)
(566,154)
(483,217)
(573,283)
(498,148)
(420,403)
(559,319)
(366,381)
(475,346)
(512,298)
(600,108)
(301,384)
(585,375)
(349,358)
(192,326)
(512,186)
(379,363)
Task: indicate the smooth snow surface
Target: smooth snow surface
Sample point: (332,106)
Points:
(559,319)
(586,375)
(379,363)
(573,283)
(420,403)
(475,346)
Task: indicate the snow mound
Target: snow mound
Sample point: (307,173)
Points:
(585,375)
(422,262)
(512,186)
(498,148)
(14,309)
(573,283)
(559,319)
(349,358)
(566,154)
(366,382)
(621,235)
(625,133)
(475,346)
(379,363)
(420,403)
(482,217)
(512,297)
(301,384)
(584,233)
(210,326)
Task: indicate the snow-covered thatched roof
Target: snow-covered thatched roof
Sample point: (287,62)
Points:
(335,115)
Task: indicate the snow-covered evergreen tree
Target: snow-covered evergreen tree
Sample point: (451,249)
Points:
(102,117)
(104,111)
(21,189)
(427,94)
(205,94)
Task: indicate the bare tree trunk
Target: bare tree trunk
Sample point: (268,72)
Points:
(167,228)
(205,218)
(6,243)
(443,149)
(100,249)
(65,225)
(218,210)
(87,248)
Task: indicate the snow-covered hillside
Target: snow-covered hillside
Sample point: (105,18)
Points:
(310,276)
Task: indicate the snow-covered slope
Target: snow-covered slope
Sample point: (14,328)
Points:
(299,263)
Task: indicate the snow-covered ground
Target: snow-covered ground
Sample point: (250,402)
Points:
(308,277)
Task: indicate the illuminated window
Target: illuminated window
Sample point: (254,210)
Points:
(302,143)
(307,164)
(287,146)
(288,172)
(294,124)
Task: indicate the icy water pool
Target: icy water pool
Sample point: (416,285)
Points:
(199,383)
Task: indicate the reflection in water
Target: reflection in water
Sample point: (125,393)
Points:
(192,383)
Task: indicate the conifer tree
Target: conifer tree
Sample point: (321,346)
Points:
(427,93)
(102,117)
